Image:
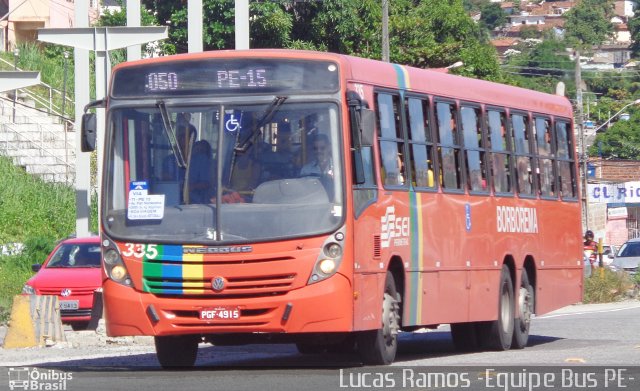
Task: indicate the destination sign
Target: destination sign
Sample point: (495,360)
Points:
(224,76)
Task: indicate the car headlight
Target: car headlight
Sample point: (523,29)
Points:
(28,290)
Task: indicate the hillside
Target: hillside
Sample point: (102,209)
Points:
(32,212)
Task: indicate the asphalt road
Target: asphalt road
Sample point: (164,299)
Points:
(579,347)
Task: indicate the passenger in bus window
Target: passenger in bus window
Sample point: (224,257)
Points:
(200,173)
(321,165)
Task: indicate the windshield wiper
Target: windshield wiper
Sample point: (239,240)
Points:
(242,146)
(171,134)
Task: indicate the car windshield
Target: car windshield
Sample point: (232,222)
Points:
(232,173)
(630,249)
(76,255)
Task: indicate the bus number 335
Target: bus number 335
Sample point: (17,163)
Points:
(148,251)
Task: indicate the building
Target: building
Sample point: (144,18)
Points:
(23,18)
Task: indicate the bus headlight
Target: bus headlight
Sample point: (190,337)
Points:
(329,259)
(118,273)
(114,267)
(327,266)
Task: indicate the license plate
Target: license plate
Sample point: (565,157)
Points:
(225,313)
(69,304)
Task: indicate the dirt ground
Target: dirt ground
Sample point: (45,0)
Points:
(78,345)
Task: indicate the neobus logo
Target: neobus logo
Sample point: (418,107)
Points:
(396,228)
(517,219)
(217,250)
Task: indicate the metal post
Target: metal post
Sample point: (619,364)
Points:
(16,53)
(241,24)
(385,30)
(194,26)
(583,152)
(64,83)
(64,120)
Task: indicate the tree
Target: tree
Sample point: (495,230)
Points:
(427,33)
(492,15)
(620,141)
(634,29)
(589,22)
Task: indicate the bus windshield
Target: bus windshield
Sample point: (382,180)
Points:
(223,173)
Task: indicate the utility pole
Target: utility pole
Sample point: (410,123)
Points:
(583,152)
(385,30)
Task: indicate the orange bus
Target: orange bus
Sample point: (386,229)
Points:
(331,202)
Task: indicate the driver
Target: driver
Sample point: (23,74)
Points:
(321,165)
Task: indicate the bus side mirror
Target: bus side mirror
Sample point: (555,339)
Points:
(88,133)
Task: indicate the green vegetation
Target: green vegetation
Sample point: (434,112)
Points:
(49,61)
(34,213)
(606,286)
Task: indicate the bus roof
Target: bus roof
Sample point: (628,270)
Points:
(388,75)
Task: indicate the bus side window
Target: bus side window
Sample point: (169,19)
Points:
(448,145)
(566,164)
(420,143)
(474,148)
(545,172)
(392,171)
(524,167)
(500,156)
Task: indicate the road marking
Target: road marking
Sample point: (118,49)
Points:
(587,312)
(575,360)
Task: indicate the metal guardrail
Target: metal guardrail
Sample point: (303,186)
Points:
(40,144)
(49,104)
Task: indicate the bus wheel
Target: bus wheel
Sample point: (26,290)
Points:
(177,351)
(379,347)
(498,334)
(525,308)
(465,336)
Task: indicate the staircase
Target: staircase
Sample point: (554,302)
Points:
(36,141)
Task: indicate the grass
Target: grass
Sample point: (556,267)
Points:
(605,286)
(49,61)
(32,212)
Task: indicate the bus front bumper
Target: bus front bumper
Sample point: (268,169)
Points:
(326,306)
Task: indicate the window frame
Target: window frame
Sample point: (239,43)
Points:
(483,157)
(551,156)
(400,138)
(429,144)
(456,146)
(531,155)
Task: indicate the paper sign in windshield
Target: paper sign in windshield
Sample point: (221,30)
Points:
(145,206)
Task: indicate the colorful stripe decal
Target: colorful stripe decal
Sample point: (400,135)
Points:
(403,77)
(417,253)
(184,277)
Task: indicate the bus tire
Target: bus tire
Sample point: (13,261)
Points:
(465,336)
(525,303)
(379,347)
(177,351)
(498,334)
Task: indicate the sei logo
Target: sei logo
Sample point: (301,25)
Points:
(394,229)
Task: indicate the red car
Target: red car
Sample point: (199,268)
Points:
(72,272)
